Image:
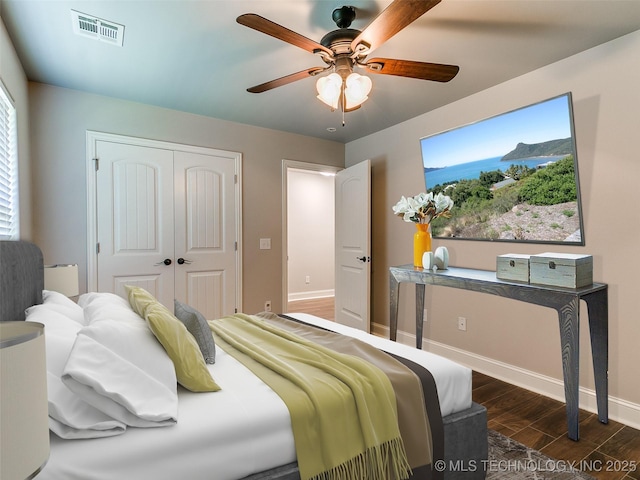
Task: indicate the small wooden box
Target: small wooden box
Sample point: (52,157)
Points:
(561,269)
(513,267)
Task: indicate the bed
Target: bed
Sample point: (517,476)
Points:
(244,430)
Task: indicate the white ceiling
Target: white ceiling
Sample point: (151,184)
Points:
(192,56)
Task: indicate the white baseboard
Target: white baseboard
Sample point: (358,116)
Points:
(292,297)
(620,410)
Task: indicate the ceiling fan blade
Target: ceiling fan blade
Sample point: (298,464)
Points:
(391,20)
(279,82)
(263,25)
(437,72)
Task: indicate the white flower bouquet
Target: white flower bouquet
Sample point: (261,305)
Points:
(424,207)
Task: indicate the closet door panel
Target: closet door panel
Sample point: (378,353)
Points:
(135,219)
(205,226)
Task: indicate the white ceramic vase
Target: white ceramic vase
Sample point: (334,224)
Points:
(441,258)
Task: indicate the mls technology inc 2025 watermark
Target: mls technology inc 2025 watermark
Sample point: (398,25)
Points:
(533,465)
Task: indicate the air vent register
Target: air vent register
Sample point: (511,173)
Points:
(97,28)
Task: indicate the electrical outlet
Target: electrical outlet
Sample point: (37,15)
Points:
(267,306)
(424,316)
(307,279)
(462,324)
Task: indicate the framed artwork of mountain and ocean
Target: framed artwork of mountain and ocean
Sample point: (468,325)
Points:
(512,177)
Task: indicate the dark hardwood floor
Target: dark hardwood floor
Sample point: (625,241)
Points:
(612,450)
(320,307)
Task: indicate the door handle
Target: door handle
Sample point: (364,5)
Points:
(182,261)
(364,259)
(166,261)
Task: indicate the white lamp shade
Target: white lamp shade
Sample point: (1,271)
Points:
(357,90)
(24,422)
(329,89)
(62,278)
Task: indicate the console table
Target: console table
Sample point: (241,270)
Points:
(566,301)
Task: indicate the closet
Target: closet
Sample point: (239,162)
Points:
(167,219)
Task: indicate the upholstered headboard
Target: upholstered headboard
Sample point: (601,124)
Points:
(21,278)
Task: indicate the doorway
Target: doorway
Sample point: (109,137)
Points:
(308,238)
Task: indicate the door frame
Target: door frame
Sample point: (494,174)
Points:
(92,137)
(297,165)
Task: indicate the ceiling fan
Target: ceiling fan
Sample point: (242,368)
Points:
(346,49)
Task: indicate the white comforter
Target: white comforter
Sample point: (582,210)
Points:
(225,435)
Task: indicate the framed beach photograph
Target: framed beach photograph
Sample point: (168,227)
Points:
(512,177)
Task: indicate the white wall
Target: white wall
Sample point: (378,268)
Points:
(59,120)
(504,333)
(310,232)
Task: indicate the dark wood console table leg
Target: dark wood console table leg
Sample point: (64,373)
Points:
(569,320)
(394,291)
(598,308)
(393,307)
(420,287)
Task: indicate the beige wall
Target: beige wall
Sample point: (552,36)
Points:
(604,82)
(15,82)
(59,121)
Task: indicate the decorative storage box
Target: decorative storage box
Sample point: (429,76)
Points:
(513,267)
(561,269)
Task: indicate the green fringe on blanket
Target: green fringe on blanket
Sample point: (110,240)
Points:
(383,462)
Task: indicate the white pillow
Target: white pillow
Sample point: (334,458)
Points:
(121,369)
(69,416)
(51,318)
(108,306)
(63,304)
(90,297)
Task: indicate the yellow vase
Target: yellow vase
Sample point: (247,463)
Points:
(421,243)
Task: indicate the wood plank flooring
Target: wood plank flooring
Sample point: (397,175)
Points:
(612,450)
(320,307)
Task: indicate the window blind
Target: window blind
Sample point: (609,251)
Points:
(9,225)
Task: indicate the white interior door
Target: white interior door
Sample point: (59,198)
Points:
(205,232)
(135,219)
(353,246)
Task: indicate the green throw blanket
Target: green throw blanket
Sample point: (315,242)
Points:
(343,409)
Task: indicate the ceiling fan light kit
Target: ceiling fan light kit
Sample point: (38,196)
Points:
(353,90)
(345,48)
